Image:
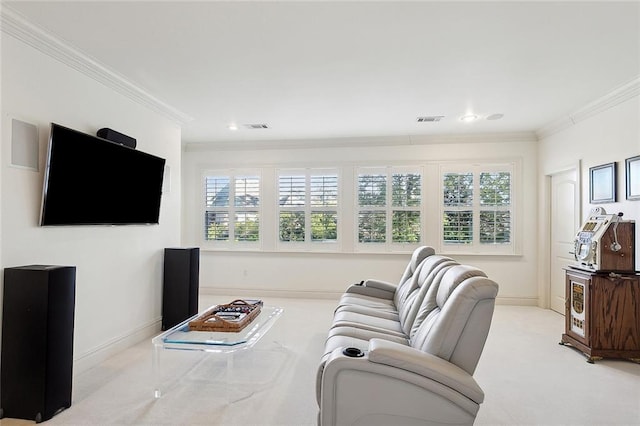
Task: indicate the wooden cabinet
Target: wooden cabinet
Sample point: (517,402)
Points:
(602,314)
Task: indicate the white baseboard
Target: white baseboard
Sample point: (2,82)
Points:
(517,301)
(95,356)
(301,294)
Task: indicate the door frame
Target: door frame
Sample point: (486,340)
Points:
(545,228)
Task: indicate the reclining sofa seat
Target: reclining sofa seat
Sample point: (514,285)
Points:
(401,322)
(426,380)
(359,337)
(384,295)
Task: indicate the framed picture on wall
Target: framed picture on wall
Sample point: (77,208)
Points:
(632,167)
(602,184)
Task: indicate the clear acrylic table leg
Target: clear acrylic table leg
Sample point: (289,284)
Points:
(155,367)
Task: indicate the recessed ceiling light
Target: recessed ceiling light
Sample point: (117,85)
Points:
(232,126)
(256,126)
(495,116)
(468,118)
(430,118)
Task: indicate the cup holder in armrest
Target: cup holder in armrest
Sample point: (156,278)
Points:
(353,352)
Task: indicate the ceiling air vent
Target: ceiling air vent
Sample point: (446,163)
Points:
(256,126)
(430,118)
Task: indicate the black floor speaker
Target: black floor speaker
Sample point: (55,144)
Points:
(180,285)
(37,341)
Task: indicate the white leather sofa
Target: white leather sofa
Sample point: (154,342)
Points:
(407,357)
(373,293)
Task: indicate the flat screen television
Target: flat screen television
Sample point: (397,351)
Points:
(92,181)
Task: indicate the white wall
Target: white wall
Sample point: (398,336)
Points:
(119,269)
(329,274)
(611,135)
(2,127)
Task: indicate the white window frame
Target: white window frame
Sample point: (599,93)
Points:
(348,209)
(232,209)
(475,246)
(388,245)
(308,244)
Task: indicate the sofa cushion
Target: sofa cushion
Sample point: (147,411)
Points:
(429,303)
(457,330)
(368,322)
(407,311)
(453,278)
(357,295)
(410,277)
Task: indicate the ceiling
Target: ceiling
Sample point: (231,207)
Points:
(355,69)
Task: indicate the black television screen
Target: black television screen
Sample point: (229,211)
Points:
(92,181)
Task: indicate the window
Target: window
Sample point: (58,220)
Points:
(495,208)
(232,210)
(473,208)
(308,206)
(477,206)
(457,223)
(389,206)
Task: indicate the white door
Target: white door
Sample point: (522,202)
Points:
(565,221)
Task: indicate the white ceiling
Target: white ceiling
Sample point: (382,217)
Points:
(356,69)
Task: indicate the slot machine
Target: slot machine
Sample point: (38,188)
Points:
(605,243)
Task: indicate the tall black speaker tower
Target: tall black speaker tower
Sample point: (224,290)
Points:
(180,285)
(37,341)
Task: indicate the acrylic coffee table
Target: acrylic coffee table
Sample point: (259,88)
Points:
(224,344)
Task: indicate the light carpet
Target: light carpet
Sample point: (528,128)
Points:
(527,377)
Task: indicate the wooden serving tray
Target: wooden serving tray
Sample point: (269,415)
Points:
(231,317)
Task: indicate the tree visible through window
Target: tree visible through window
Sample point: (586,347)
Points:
(477,207)
(308,206)
(473,208)
(457,223)
(232,221)
(389,207)
(495,205)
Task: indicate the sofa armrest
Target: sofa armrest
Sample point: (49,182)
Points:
(354,389)
(426,365)
(382,285)
(373,288)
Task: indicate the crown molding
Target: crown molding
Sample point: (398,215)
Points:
(502,137)
(615,97)
(360,142)
(14,24)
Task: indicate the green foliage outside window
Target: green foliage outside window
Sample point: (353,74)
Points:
(324,226)
(406,227)
(476,206)
(247,227)
(495,227)
(495,189)
(291,226)
(372,227)
(458,189)
(372,190)
(245,192)
(458,227)
(494,217)
(495,224)
(217,226)
(406,190)
(308,203)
